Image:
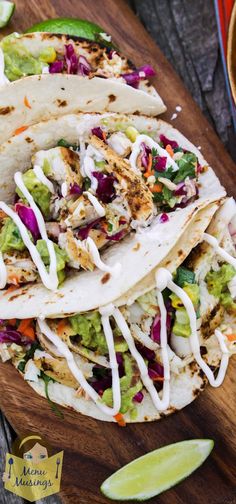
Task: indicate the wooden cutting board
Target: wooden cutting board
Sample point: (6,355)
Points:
(93,450)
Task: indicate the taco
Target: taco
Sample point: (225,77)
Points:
(69,75)
(80,184)
(151,352)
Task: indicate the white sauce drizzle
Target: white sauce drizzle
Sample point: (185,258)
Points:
(219,250)
(47,278)
(45,181)
(87,168)
(93,250)
(160,404)
(3,78)
(3,272)
(64,189)
(152,144)
(97,206)
(76,371)
(163,280)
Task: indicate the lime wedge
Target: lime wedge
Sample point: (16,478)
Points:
(157,471)
(69,26)
(6,12)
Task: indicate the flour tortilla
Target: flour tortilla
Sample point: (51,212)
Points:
(58,94)
(190,381)
(138,255)
(40,97)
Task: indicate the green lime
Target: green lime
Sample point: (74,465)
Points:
(71,26)
(6,12)
(157,471)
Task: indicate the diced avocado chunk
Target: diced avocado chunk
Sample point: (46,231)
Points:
(89,327)
(48,55)
(217,284)
(61,257)
(18,60)
(193,292)
(127,391)
(39,192)
(181,325)
(131,133)
(10,237)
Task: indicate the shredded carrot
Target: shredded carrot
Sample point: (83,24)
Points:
(158,378)
(231,337)
(20,130)
(25,327)
(26,102)
(14,280)
(10,289)
(170,150)
(149,171)
(12,321)
(3,215)
(157,188)
(61,326)
(120,420)
(104,136)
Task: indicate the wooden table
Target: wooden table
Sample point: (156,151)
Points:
(186,33)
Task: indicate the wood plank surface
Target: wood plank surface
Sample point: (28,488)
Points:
(93,450)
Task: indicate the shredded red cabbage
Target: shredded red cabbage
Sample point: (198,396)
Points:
(112,53)
(117,236)
(84,67)
(163,218)
(98,132)
(146,352)
(84,231)
(156,327)
(141,73)
(138,397)
(155,370)
(27,216)
(159,163)
(145,151)
(75,189)
(72,61)
(181,189)
(56,67)
(105,189)
(166,142)
(12,336)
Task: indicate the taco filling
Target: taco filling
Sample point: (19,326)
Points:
(78,199)
(143,352)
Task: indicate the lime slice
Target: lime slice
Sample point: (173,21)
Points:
(157,471)
(6,12)
(69,26)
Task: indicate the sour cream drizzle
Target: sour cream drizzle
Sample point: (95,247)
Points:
(3,272)
(219,250)
(97,206)
(3,78)
(163,280)
(76,371)
(45,181)
(160,404)
(153,145)
(93,251)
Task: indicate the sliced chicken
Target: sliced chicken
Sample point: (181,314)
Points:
(62,165)
(76,250)
(131,185)
(20,268)
(81,213)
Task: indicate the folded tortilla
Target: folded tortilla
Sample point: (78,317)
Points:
(187,379)
(142,250)
(100,89)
